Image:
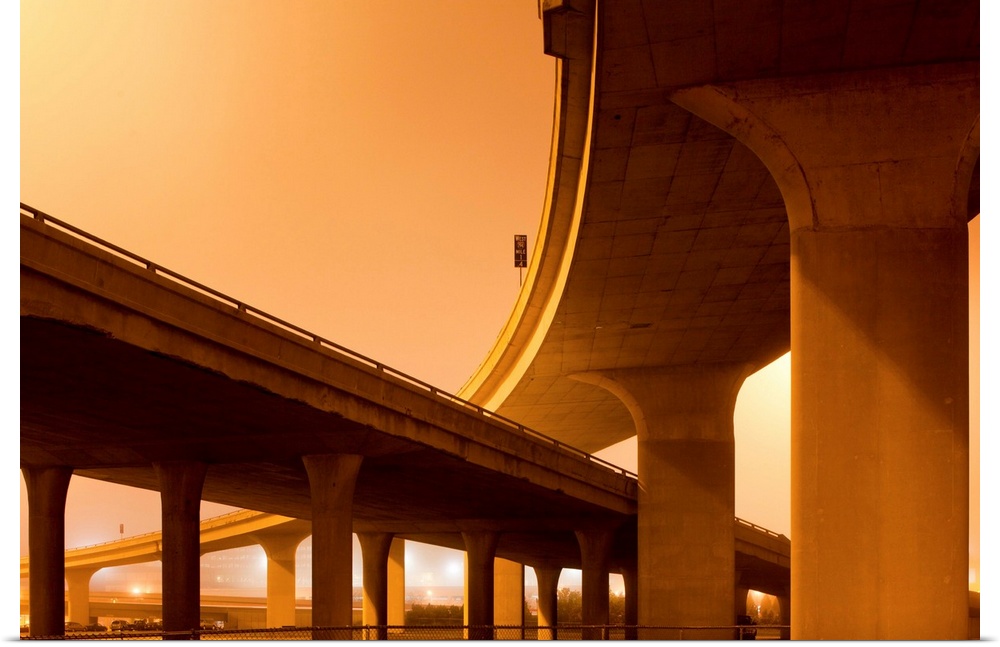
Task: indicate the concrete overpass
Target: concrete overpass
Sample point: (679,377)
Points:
(233,530)
(730,181)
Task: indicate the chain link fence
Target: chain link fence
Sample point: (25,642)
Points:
(446,632)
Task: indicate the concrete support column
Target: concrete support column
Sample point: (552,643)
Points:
(785,614)
(875,170)
(687,496)
(630,575)
(47,487)
(508,598)
(78,593)
(397,583)
(740,599)
(595,557)
(880,433)
(180,512)
(739,603)
(480,549)
(548,601)
(332,478)
(280,548)
(375,548)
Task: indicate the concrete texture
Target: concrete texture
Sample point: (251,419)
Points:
(728,181)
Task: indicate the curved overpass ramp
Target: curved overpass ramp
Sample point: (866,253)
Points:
(728,182)
(665,238)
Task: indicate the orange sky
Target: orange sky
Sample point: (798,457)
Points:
(355,167)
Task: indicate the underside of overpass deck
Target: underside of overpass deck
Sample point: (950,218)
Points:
(674,243)
(109,409)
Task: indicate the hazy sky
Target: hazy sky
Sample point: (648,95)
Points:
(355,167)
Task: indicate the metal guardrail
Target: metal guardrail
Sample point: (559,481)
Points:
(325,344)
(760,529)
(220,520)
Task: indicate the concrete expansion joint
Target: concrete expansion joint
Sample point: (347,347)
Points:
(820,228)
(871,81)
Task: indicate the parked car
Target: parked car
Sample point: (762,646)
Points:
(120,625)
(74,626)
(746,628)
(97,627)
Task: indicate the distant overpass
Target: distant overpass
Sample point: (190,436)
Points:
(232,530)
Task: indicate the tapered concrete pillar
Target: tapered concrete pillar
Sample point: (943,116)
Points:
(480,550)
(78,593)
(397,583)
(47,487)
(332,478)
(548,601)
(595,557)
(875,171)
(280,548)
(375,603)
(180,512)
(508,598)
(687,496)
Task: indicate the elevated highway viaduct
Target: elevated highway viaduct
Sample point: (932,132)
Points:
(730,181)
(133,375)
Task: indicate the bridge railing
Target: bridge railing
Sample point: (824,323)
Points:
(760,529)
(326,344)
(205,523)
